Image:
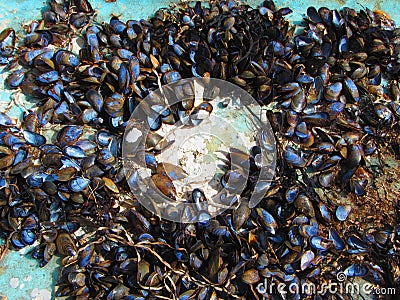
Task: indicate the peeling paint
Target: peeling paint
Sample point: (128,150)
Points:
(42,294)
(14,282)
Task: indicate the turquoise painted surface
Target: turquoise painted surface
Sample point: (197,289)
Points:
(20,277)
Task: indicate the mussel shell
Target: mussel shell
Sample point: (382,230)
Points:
(332,91)
(36,180)
(74,151)
(306,259)
(154,122)
(67,58)
(7,41)
(241,213)
(48,77)
(298,102)
(113,105)
(50,188)
(342,212)
(356,270)
(267,220)
(34,139)
(28,237)
(77,279)
(291,193)
(293,158)
(5,120)
(15,78)
(352,89)
(319,243)
(78,184)
(16,241)
(304,205)
(68,135)
(65,244)
(104,137)
(313,15)
(96,99)
(251,276)
(336,239)
(164,184)
(383,112)
(198,196)
(171,77)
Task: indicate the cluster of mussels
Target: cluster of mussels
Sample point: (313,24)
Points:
(324,96)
